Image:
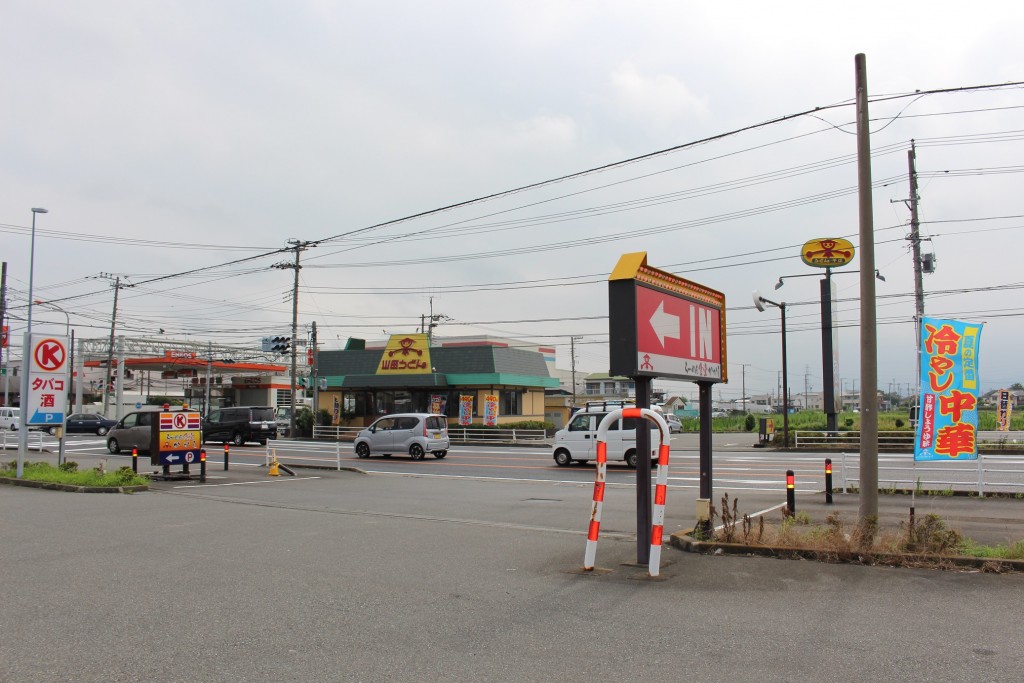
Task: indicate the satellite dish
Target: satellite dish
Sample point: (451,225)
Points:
(757,301)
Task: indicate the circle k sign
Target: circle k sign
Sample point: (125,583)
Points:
(49,355)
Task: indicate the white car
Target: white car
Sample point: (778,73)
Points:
(412,433)
(576,443)
(9,418)
(675,425)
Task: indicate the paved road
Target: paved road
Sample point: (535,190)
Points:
(738,467)
(343,576)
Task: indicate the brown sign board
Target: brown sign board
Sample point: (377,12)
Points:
(662,325)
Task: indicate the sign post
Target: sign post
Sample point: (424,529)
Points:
(661,325)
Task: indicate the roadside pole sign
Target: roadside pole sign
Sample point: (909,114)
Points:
(47,380)
(178,438)
(662,325)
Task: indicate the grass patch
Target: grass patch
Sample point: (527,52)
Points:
(69,474)
(925,541)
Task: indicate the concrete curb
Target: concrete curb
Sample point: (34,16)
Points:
(54,486)
(683,541)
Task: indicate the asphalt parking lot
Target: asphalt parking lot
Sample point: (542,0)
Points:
(345,576)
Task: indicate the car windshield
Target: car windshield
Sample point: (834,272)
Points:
(262,414)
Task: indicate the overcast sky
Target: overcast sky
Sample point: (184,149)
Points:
(167,137)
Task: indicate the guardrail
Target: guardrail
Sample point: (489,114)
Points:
(309,453)
(462,435)
(11,437)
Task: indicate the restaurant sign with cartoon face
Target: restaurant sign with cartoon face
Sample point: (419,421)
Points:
(405,354)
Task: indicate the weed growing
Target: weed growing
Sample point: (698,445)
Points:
(928,537)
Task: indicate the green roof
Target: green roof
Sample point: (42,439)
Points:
(458,366)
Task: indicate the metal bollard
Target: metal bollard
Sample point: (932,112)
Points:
(202,465)
(135,460)
(828,481)
(790,493)
(227,456)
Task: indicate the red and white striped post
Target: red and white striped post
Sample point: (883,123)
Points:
(660,491)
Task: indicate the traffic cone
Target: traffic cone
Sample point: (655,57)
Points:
(272,472)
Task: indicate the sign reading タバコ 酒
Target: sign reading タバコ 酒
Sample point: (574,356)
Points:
(405,354)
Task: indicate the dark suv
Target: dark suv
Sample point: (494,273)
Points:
(240,424)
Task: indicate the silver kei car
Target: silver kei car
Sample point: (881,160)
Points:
(412,433)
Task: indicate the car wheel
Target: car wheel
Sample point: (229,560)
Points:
(362,450)
(113,446)
(562,458)
(100,431)
(416,451)
(237,439)
(263,442)
(14,427)
(631,459)
(52,431)
(440,454)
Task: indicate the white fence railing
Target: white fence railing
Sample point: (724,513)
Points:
(456,434)
(988,441)
(308,453)
(9,439)
(987,474)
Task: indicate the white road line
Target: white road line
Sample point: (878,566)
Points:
(244,483)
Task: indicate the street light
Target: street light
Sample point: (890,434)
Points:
(759,302)
(26,350)
(67,323)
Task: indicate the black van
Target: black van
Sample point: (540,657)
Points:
(240,424)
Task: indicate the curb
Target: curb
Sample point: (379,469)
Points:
(54,486)
(683,541)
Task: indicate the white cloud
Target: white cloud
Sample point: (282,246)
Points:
(658,98)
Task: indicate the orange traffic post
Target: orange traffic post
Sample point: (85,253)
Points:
(202,465)
(828,481)
(227,456)
(135,460)
(790,493)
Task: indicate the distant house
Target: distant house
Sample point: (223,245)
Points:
(603,386)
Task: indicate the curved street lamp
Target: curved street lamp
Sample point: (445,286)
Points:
(23,394)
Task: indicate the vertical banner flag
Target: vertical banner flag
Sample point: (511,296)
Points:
(1005,410)
(465,409)
(490,410)
(948,425)
(438,402)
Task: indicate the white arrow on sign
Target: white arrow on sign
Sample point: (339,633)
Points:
(172,458)
(664,324)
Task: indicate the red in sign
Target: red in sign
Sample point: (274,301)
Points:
(671,326)
(50,355)
(180,421)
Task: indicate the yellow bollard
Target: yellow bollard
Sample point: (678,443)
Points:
(272,472)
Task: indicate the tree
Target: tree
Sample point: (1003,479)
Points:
(1017,386)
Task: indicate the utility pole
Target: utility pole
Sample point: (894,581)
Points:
(743,398)
(572,353)
(3,317)
(298,246)
(110,349)
(915,244)
(807,371)
(868,313)
(313,373)
(432,321)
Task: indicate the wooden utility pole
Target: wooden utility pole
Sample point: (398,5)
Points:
(868,329)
